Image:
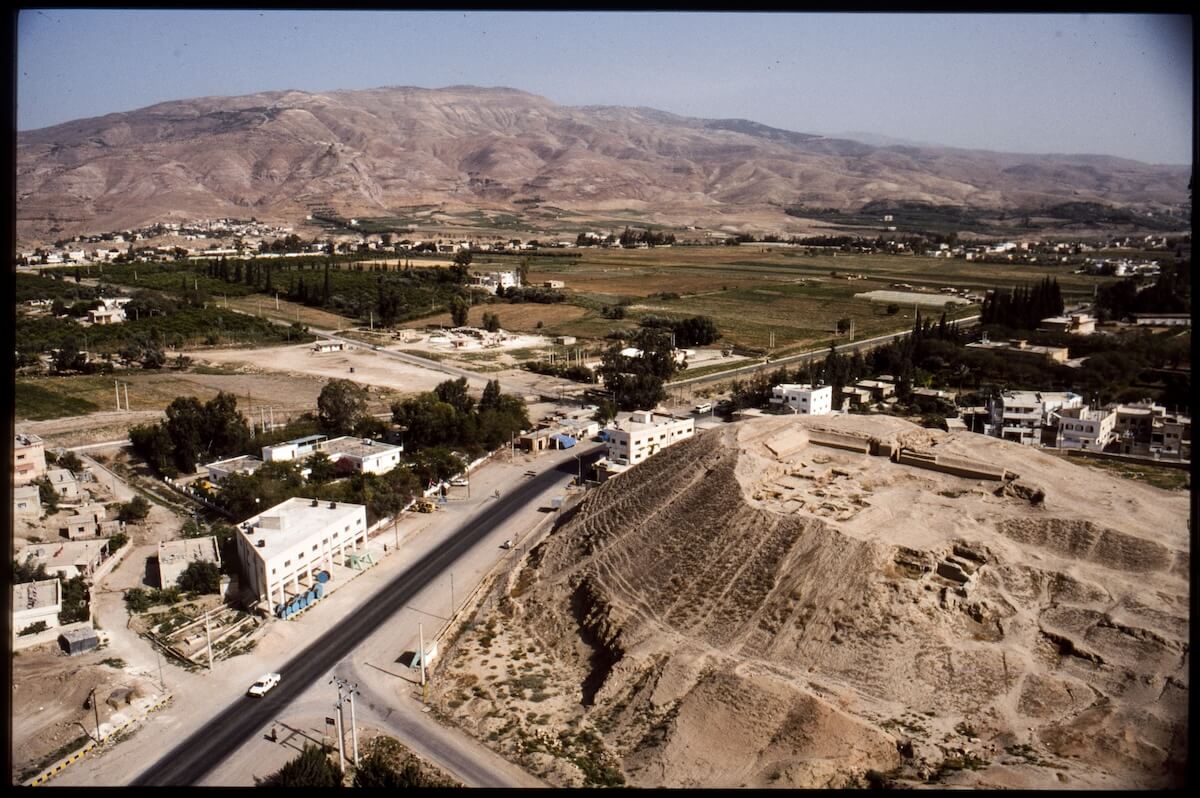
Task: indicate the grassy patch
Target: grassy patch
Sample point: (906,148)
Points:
(40,401)
(1158,476)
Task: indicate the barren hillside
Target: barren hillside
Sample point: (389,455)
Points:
(769,605)
(375,152)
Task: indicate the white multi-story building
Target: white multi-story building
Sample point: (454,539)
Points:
(282,550)
(803,399)
(1082,428)
(642,435)
(29,458)
(1021,415)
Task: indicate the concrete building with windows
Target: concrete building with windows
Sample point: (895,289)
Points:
(804,400)
(64,483)
(29,458)
(642,434)
(294,449)
(111,311)
(362,455)
(1083,428)
(68,558)
(282,550)
(1021,416)
(27,502)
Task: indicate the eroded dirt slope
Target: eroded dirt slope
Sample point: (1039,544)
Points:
(751,608)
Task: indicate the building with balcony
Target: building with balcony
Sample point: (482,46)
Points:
(1022,416)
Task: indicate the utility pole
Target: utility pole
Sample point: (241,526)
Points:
(158,655)
(340,733)
(96,708)
(353,726)
(117,390)
(421,654)
(126,386)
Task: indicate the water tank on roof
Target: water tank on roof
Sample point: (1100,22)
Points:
(262,544)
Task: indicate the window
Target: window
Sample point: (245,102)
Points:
(347,529)
(286,563)
(314,548)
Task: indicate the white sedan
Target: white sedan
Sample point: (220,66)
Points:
(264,684)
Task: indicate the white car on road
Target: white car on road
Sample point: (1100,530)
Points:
(263,685)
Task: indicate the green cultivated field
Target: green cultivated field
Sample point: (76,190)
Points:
(754,290)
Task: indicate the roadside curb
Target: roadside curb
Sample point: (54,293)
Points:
(59,766)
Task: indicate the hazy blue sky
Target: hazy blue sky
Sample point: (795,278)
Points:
(1109,84)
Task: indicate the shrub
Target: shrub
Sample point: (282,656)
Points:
(33,629)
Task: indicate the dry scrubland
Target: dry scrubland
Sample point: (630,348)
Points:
(732,613)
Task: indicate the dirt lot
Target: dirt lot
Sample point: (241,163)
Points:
(732,614)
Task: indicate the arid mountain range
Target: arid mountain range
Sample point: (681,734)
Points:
(376,153)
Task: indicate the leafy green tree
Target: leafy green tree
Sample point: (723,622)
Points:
(68,357)
(311,768)
(462,262)
(154,444)
(186,425)
(47,494)
(606,411)
(523,271)
(28,571)
(153,358)
(321,468)
(201,577)
(459,311)
(340,406)
(135,509)
(75,606)
(491,395)
(454,393)
(491,322)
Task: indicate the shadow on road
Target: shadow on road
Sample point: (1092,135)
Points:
(403,660)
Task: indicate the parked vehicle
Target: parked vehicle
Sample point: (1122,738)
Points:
(459,482)
(508,544)
(264,684)
(424,506)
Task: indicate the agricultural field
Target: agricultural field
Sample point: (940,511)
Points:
(755,290)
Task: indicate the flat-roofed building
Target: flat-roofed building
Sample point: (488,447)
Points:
(362,455)
(64,483)
(27,501)
(29,458)
(174,556)
(34,602)
(803,399)
(1084,428)
(1021,416)
(1075,324)
(222,469)
(68,558)
(291,450)
(282,549)
(642,434)
(1056,354)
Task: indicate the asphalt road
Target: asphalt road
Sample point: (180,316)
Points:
(209,745)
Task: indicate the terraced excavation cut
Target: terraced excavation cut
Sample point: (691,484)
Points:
(841,601)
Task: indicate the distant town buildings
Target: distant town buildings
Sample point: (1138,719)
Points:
(1075,324)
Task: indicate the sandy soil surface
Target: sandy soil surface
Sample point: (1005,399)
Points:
(370,367)
(748,608)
